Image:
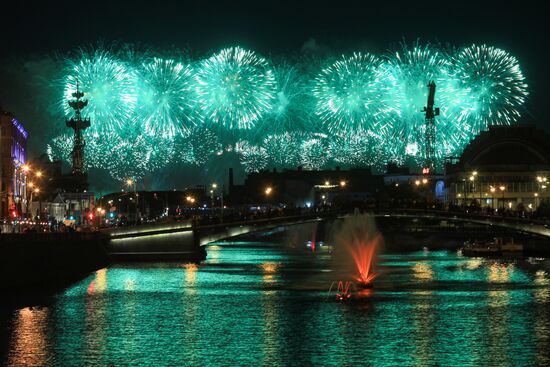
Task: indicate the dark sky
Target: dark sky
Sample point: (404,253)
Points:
(283,27)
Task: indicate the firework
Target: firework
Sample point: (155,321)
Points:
(131,159)
(252,158)
(149,113)
(283,148)
(203,143)
(353,149)
(313,151)
(289,108)
(349,95)
(493,87)
(235,88)
(159,151)
(110,89)
(99,149)
(165,98)
(406,76)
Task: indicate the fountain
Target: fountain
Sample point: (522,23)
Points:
(356,242)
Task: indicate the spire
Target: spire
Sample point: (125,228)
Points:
(78,124)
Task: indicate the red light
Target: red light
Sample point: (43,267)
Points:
(425,171)
(14,214)
(91,216)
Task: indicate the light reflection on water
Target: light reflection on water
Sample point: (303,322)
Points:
(261,304)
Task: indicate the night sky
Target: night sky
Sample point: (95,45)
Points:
(31,31)
(283,27)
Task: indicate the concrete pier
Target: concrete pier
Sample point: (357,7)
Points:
(44,260)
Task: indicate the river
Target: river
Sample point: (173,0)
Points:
(261,303)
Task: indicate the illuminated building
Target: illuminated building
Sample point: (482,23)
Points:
(13,156)
(504,167)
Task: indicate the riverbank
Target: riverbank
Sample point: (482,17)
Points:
(42,261)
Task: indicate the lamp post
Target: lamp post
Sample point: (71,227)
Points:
(268,190)
(212,192)
(130,182)
(473,186)
(36,191)
(29,202)
(214,187)
(492,189)
(502,188)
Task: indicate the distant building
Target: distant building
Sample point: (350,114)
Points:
(504,167)
(305,188)
(13,156)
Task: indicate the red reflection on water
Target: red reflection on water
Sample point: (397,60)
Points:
(91,288)
(363,253)
(343,292)
(313,238)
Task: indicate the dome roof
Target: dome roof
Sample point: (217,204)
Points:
(507,148)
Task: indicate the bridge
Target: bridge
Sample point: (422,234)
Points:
(186,239)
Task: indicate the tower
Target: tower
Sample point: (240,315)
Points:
(431,112)
(78,124)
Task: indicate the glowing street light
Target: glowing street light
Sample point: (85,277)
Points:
(130,182)
(268,190)
(502,188)
(492,189)
(343,183)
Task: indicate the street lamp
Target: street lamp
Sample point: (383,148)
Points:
(130,182)
(190,200)
(502,188)
(214,187)
(493,197)
(36,191)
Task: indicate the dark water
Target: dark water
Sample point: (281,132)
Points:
(261,304)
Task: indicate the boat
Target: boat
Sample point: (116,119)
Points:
(496,247)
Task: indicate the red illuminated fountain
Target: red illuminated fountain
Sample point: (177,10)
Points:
(357,241)
(363,253)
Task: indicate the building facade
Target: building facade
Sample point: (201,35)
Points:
(304,188)
(504,168)
(13,157)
